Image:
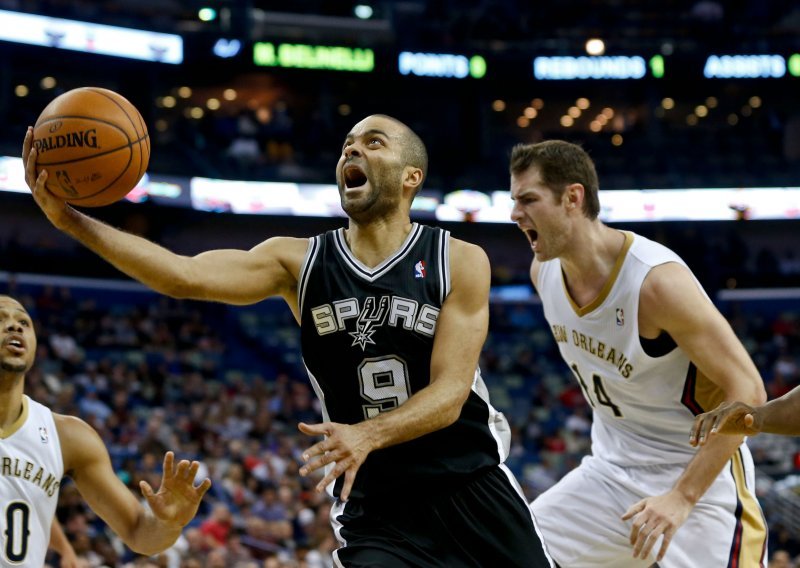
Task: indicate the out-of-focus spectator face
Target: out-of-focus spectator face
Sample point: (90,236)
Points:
(780,559)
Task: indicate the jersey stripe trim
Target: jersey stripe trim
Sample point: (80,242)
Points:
(502,439)
(606,290)
(444,265)
(372,274)
(305,269)
(750,534)
(518,489)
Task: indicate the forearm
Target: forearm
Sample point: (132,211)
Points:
(151,535)
(706,466)
(780,416)
(143,260)
(435,407)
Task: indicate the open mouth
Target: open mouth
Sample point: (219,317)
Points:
(15,346)
(353,176)
(532,234)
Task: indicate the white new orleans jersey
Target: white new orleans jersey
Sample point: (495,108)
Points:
(644,393)
(31,468)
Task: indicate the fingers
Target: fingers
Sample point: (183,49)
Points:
(147,491)
(749,420)
(349,479)
(169,459)
(202,488)
(27,144)
(323,429)
(327,457)
(665,544)
(633,510)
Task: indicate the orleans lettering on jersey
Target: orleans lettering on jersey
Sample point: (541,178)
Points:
(375,312)
(29,471)
(594,346)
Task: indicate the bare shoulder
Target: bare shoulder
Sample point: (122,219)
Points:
(80,443)
(288,251)
(467,255)
(668,282)
(469,267)
(672,299)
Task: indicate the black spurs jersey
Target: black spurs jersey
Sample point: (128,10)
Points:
(367,338)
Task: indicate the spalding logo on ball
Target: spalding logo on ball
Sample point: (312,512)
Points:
(93,144)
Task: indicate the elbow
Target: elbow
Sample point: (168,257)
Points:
(453,410)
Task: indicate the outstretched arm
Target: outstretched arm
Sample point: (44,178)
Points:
(230,276)
(672,301)
(460,332)
(779,416)
(145,530)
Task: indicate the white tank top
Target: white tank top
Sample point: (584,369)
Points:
(643,402)
(31,468)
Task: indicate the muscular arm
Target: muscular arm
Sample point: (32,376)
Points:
(672,301)
(60,543)
(87,462)
(460,332)
(231,276)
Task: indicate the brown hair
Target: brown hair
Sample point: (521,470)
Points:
(560,164)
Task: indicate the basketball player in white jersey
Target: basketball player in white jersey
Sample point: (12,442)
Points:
(779,416)
(39,447)
(650,351)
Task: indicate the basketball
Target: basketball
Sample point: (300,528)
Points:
(93,144)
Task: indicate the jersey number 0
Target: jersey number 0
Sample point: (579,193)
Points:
(17,531)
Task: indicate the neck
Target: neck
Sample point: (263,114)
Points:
(11,387)
(592,255)
(373,242)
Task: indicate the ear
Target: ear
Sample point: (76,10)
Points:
(573,196)
(412,178)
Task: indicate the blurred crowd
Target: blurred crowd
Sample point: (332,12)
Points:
(225,386)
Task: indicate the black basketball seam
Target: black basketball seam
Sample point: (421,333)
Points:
(92,118)
(112,182)
(128,145)
(144,127)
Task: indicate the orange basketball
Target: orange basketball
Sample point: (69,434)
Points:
(93,144)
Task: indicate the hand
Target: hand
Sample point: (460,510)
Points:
(346,445)
(656,516)
(53,207)
(727,418)
(177,499)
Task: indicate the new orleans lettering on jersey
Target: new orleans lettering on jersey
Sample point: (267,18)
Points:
(595,346)
(367,338)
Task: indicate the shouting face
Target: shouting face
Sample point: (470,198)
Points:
(371,168)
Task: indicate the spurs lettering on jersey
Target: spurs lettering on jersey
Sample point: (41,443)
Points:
(394,311)
(596,347)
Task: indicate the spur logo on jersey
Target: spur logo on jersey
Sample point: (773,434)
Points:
(620,317)
(419,269)
(376,312)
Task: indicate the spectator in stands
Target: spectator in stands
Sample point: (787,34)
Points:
(46,446)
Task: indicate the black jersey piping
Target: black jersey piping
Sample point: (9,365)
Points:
(444,265)
(370,275)
(305,269)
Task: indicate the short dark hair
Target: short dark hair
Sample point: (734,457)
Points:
(560,164)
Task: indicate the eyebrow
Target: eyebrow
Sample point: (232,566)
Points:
(370,132)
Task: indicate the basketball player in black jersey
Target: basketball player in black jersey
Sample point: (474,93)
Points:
(393,316)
